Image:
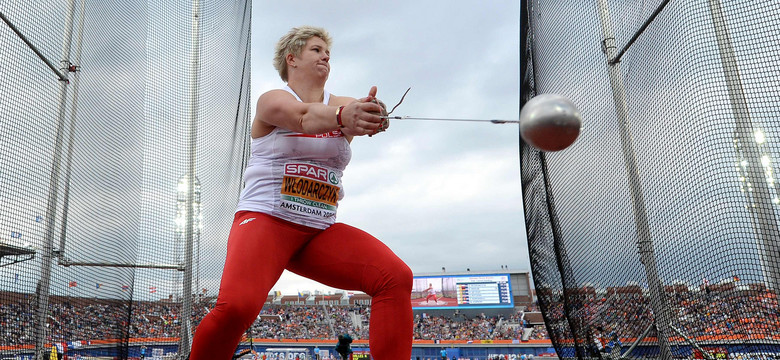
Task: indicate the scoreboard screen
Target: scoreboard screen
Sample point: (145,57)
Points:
(462,291)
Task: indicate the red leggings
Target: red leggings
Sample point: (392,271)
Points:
(340,256)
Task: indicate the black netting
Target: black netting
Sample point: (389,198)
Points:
(658,228)
(96,162)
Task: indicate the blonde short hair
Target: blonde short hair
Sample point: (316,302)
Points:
(293,42)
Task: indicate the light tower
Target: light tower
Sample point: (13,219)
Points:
(188,228)
(762,197)
(754,162)
(181,223)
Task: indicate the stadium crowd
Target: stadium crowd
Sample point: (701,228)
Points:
(81,319)
(708,315)
(456,327)
(698,314)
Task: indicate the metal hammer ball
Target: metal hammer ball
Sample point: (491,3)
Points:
(550,122)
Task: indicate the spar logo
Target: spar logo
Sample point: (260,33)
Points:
(312,172)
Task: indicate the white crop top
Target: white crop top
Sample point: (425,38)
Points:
(296,177)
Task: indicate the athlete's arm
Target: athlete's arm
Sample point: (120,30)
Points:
(280,108)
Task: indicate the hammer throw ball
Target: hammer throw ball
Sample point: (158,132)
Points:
(550,122)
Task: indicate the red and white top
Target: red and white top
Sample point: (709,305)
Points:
(296,177)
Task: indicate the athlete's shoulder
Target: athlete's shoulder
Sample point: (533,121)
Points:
(275,93)
(275,98)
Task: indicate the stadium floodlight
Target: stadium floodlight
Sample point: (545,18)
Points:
(181,223)
(760,137)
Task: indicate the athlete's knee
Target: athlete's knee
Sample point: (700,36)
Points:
(241,311)
(396,277)
(404,277)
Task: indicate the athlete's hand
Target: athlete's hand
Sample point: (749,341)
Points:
(385,121)
(362,116)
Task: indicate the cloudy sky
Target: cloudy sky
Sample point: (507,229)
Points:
(440,194)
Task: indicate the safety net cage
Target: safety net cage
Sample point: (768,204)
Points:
(656,233)
(124,129)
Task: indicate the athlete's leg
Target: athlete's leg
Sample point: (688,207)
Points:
(258,249)
(348,258)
